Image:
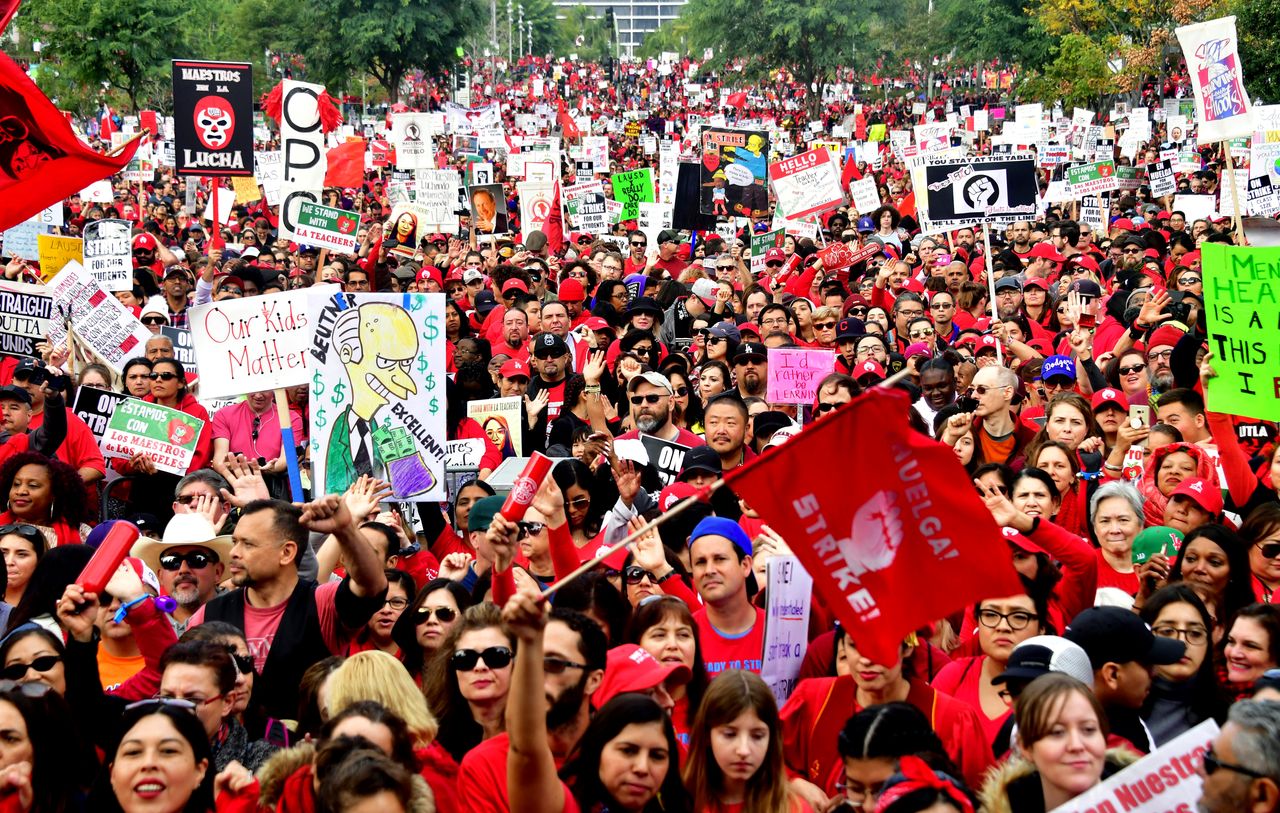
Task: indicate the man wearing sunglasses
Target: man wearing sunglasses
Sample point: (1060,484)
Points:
(189,560)
(650,395)
(1241,770)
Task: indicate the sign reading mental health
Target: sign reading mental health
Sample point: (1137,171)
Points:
(963,191)
(378,393)
(631,189)
(794,374)
(107,327)
(108,253)
(213,118)
(1213,62)
(25,314)
(95,407)
(786,624)
(302,147)
(168,435)
(327,227)
(807,184)
(260,343)
(1242,310)
(734,172)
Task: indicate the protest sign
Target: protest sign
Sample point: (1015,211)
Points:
(631,189)
(1128,177)
(20,240)
(302,148)
(807,184)
(1092,179)
(25,314)
(213,118)
(786,624)
(481,173)
(268,169)
(488,209)
(250,345)
(652,218)
(95,407)
(436,192)
(963,191)
(101,323)
(589,213)
(1167,779)
(327,227)
(1262,196)
(536,202)
(760,245)
(168,435)
(378,392)
(57,252)
(664,455)
(1242,313)
(184,349)
(1213,65)
(411,133)
(794,374)
(733,172)
(865,196)
(246,189)
(1195,207)
(1162,178)
(463,455)
(108,253)
(500,419)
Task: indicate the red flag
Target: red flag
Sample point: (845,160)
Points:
(553,226)
(850,172)
(149,120)
(737,99)
(346,164)
(41,159)
(901,542)
(567,125)
(107,126)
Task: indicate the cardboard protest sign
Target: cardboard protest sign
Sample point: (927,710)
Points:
(108,253)
(327,227)
(1162,178)
(1242,313)
(57,252)
(303,151)
(500,419)
(25,314)
(733,172)
(1167,779)
(963,191)
(411,133)
(184,349)
(20,240)
(268,170)
(436,194)
(1213,63)
(250,345)
(664,455)
(536,201)
(807,184)
(1092,179)
(95,407)
(168,435)
(794,374)
(631,189)
(101,323)
(786,624)
(488,209)
(213,118)
(378,393)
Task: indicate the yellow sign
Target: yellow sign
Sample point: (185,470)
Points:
(56,252)
(246,189)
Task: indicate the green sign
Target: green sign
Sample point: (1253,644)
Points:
(169,436)
(1092,179)
(1242,315)
(760,245)
(633,188)
(1128,177)
(327,227)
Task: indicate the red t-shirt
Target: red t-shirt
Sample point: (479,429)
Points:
(235,423)
(1108,576)
(482,779)
(721,652)
(261,624)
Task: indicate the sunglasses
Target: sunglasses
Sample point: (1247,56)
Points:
(714,340)
(773,265)
(857,311)
(639,245)
(651,398)
(1212,765)
(195,560)
(495,657)
(174,702)
(162,376)
(530,528)
(28,532)
(244,663)
(1188,280)
(42,664)
(823,325)
(826,407)
(983,389)
(1132,251)
(682,391)
(555,666)
(154,320)
(1137,368)
(444,614)
(634,574)
(1269,550)
(578,502)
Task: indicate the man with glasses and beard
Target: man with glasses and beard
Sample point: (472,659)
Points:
(551,360)
(650,395)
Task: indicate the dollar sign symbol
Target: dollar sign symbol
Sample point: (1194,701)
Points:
(337,393)
(434,406)
(321,420)
(431,381)
(432,330)
(318,380)
(422,364)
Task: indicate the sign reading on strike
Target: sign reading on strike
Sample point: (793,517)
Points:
(1240,294)
(249,345)
(327,227)
(168,435)
(794,374)
(95,407)
(108,253)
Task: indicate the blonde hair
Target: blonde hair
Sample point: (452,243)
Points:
(375,675)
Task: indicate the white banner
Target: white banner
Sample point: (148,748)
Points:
(1213,62)
(302,146)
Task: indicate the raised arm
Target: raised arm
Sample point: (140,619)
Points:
(530,764)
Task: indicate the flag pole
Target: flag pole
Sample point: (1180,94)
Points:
(991,284)
(125,145)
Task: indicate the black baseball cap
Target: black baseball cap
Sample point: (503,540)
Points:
(11,393)
(33,369)
(549,345)
(701,459)
(748,349)
(1116,635)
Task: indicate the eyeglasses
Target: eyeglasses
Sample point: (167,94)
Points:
(162,376)
(1017,620)
(982,389)
(911,314)
(824,325)
(397,603)
(554,666)
(714,340)
(651,398)
(195,701)
(1136,368)
(154,320)
(1269,550)
(857,310)
(196,560)
(530,528)
(1163,355)
(42,664)
(1192,635)
(495,657)
(634,574)
(244,663)
(578,502)
(257,424)
(773,265)
(933,305)
(189,499)
(1188,280)
(1212,764)
(729,267)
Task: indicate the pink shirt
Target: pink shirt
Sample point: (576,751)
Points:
(261,624)
(236,423)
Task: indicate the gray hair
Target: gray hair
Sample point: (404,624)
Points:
(1257,745)
(216,481)
(1116,488)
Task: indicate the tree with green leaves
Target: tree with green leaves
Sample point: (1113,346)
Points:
(1258,24)
(584,33)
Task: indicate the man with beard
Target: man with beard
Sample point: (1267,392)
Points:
(515,335)
(650,394)
(551,360)
(189,562)
(1008,297)
(571,655)
(726,421)
(1159,353)
(751,368)
(1020,238)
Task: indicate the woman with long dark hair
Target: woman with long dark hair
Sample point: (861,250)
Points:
(1186,693)
(664,627)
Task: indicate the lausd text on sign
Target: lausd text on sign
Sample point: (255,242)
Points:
(887,554)
(327,227)
(213,118)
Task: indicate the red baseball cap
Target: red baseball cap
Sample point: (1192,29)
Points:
(571,290)
(986,343)
(514,368)
(1035,282)
(631,669)
(430,272)
(1122,223)
(1044,251)
(1015,538)
(1201,492)
(1110,397)
(145,241)
(673,494)
(595,323)
(775,255)
(870,367)
(515,285)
